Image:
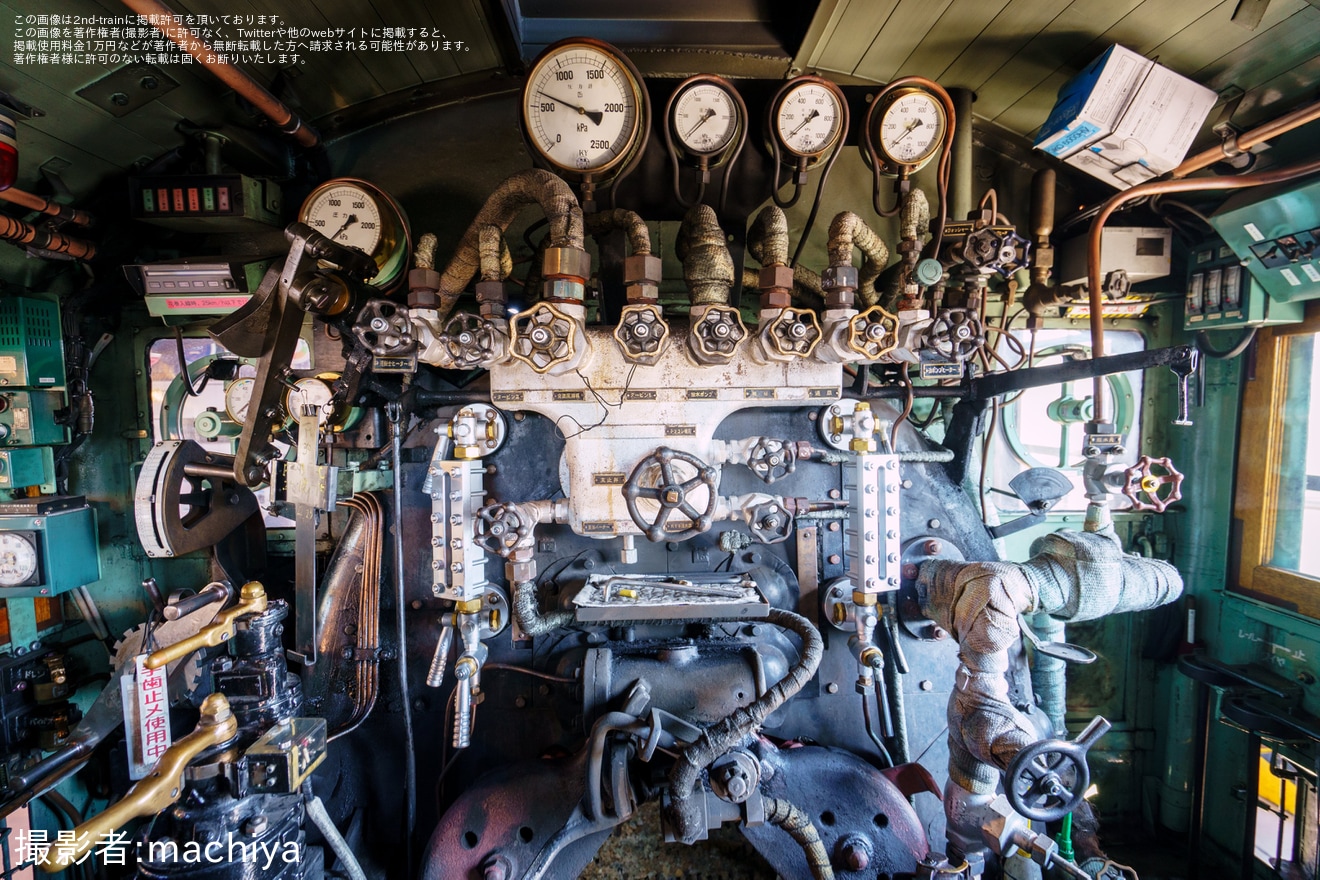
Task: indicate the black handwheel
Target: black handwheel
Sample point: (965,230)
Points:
(672,493)
(1048,779)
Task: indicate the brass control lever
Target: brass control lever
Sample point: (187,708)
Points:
(252,600)
(155,792)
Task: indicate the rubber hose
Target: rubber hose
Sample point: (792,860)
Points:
(684,815)
(707,266)
(767,241)
(848,230)
(639,236)
(527,611)
(321,819)
(782,814)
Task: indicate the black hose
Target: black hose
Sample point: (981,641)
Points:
(1206,348)
(782,814)
(684,815)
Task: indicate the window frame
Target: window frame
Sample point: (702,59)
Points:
(1255,499)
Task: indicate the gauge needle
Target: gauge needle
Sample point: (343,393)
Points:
(594,115)
(911,127)
(810,116)
(706,114)
(352,218)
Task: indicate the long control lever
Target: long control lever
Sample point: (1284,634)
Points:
(252,600)
(155,792)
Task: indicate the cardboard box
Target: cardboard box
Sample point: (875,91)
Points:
(1161,113)
(1091,103)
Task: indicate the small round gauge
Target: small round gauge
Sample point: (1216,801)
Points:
(312,391)
(18,559)
(808,116)
(706,115)
(584,109)
(238,397)
(905,128)
(360,215)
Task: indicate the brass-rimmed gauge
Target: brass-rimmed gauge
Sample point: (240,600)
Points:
(808,117)
(584,110)
(904,129)
(706,116)
(361,215)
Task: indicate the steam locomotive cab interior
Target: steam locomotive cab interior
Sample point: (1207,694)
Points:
(514,440)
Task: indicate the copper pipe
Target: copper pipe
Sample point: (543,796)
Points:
(164,20)
(46,206)
(1160,187)
(43,239)
(1248,139)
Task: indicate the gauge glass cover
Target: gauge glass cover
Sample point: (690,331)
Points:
(807,119)
(345,214)
(238,397)
(580,108)
(705,118)
(910,128)
(18,559)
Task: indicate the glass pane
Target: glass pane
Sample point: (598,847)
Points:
(1297,530)
(1043,427)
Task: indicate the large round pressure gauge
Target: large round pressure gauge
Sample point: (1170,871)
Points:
(706,115)
(584,110)
(905,129)
(807,117)
(18,559)
(360,215)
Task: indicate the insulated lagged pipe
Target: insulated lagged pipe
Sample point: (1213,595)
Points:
(707,266)
(639,236)
(167,21)
(847,231)
(1072,576)
(534,186)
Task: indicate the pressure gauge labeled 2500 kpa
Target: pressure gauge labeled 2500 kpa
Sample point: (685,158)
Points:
(584,110)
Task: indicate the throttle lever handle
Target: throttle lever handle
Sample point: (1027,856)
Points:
(316,245)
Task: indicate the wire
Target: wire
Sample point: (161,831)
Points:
(183,367)
(820,192)
(534,673)
(1207,348)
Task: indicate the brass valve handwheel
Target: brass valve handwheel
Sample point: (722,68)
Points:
(873,333)
(542,337)
(1140,482)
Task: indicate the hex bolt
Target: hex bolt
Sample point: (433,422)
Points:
(926,684)
(854,853)
(832,687)
(933,524)
(834,559)
(255,826)
(933,547)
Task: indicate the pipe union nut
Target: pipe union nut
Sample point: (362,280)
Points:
(776,277)
(491,292)
(562,288)
(642,291)
(642,267)
(839,277)
(570,261)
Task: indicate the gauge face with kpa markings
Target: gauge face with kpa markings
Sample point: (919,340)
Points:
(582,107)
(808,117)
(705,117)
(360,215)
(18,559)
(906,128)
